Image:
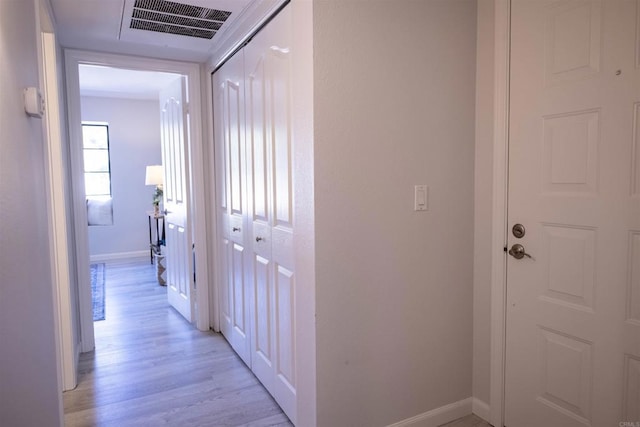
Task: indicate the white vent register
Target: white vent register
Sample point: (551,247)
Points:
(189,24)
(177,18)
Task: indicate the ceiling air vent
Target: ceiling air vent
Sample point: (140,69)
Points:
(164,16)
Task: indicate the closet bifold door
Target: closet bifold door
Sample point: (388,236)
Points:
(269,160)
(232,217)
(254,182)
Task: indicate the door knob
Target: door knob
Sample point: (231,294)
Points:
(518,252)
(259,239)
(235,229)
(166,212)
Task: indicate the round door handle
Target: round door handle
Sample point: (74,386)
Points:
(235,229)
(259,239)
(166,212)
(518,252)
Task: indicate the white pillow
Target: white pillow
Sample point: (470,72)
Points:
(100,211)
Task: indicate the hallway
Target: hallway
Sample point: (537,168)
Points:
(150,367)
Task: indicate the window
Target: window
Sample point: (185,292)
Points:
(97,170)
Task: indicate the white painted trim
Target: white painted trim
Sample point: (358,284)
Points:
(480,408)
(58,215)
(79,204)
(73,59)
(215,278)
(251,19)
(199,200)
(500,171)
(119,255)
(438,416)
(47,80)
(304,235)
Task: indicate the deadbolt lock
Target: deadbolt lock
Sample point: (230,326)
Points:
(518,231)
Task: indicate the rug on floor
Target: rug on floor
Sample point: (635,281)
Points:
(97,291)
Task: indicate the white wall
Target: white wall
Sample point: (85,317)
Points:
(394,96)
(28,368)
(483,202)
(134,142)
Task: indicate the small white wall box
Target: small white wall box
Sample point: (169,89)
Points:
(33,102)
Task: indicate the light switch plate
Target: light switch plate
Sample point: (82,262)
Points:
(421,198)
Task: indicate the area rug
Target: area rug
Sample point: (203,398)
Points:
(97,291)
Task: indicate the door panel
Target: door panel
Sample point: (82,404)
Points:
(259,138)
(633,309)
(285,297)
(566,373)
(279,57)
(230,157)
(225,296)
(263,321)
(258,113)
(235,102)
(263,309)
(174,136)
(632,388)
(575,82)
(269,141)
(635,155)
(240,339)
(568,255)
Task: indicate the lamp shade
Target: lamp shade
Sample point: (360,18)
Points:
(154,175)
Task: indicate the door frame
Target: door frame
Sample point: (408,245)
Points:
(57,210)
(502,36)
(74,58)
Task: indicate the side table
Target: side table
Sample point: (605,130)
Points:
(156,242)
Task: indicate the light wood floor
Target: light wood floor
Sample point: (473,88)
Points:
(151,368)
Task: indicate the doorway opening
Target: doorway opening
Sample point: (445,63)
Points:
(87,242)
(123,173)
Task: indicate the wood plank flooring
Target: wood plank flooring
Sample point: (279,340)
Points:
(152,368)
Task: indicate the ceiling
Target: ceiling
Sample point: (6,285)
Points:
(106,25)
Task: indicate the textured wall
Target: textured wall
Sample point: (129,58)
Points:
(29,387)
(394,97)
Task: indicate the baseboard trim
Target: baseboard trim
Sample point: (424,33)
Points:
(481,409)
(118,255)
(438,416)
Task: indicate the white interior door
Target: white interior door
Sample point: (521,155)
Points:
(573,307)
(230,154)
(270,167)
(254,164)
(175,154)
